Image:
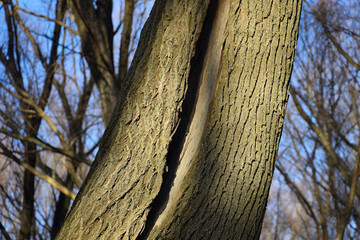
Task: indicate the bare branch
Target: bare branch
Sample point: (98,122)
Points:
(45,146)
(47,18)
(49,179)
(4,232)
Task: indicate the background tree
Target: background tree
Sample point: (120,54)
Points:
(94,22)
(320,160)
(309,180)
(190,149)
(50,119)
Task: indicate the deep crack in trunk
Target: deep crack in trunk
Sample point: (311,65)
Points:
(195,110)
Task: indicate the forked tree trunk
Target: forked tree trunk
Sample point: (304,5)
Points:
(190,150)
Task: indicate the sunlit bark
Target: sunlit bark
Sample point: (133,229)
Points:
(190,150)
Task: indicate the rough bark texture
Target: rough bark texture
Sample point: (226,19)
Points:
(224,194)
(190,150)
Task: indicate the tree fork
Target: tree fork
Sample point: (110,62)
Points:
(224,147)
(172,30)
(200,90)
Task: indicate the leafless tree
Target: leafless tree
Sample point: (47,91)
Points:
(320,157)
(51,120)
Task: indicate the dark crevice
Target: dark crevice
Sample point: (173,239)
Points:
(188,107)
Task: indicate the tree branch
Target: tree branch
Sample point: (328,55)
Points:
(4,232)
(55,184)
(45,146)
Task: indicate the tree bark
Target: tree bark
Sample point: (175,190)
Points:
(190,150)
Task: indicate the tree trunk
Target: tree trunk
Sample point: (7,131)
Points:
(27,211)
(190,150)
(94,22)
(125,39)
(32,123)
(61,208)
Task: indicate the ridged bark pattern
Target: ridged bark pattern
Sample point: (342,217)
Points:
(232,61)
(224,195)
(127,173)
